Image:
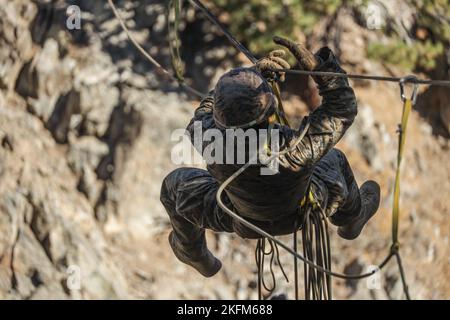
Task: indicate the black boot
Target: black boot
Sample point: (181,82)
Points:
(206,264)
(370,201)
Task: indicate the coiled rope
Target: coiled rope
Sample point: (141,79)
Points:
(316,247)
(260,255)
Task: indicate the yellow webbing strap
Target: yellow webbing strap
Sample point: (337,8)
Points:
(401,145)
(277,117)
(309,198)
(281,118)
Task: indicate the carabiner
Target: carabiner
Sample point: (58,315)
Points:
(410,79)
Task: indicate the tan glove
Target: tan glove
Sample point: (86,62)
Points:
(274,60)
(305,58)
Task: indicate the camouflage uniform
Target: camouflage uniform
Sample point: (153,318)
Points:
(270,201)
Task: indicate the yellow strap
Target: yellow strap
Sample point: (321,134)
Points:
(309,198)
(278,115)
(280,110)
(402,136)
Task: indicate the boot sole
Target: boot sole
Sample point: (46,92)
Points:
(356,231)
(193,264)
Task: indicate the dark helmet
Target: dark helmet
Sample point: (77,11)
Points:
(242,99)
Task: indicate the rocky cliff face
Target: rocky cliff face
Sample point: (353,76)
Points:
(85,127)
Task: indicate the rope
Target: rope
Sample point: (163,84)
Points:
(316,247)
(413,80)
(149,57)
(260,254)
(295,262)
(177,64)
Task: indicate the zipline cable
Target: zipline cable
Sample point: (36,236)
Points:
(413,80)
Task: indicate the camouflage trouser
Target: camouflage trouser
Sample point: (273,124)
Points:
(189,196)
(334,186)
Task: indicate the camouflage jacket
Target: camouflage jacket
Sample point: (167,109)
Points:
(272,197)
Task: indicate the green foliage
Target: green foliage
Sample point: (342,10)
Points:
(418,55)
(256,21)
(434,18)
(435,15)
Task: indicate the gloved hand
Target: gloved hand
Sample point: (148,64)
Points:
(323,60)
(274,60)
(305,58)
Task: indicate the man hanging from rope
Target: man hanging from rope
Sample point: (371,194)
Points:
(244,99)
